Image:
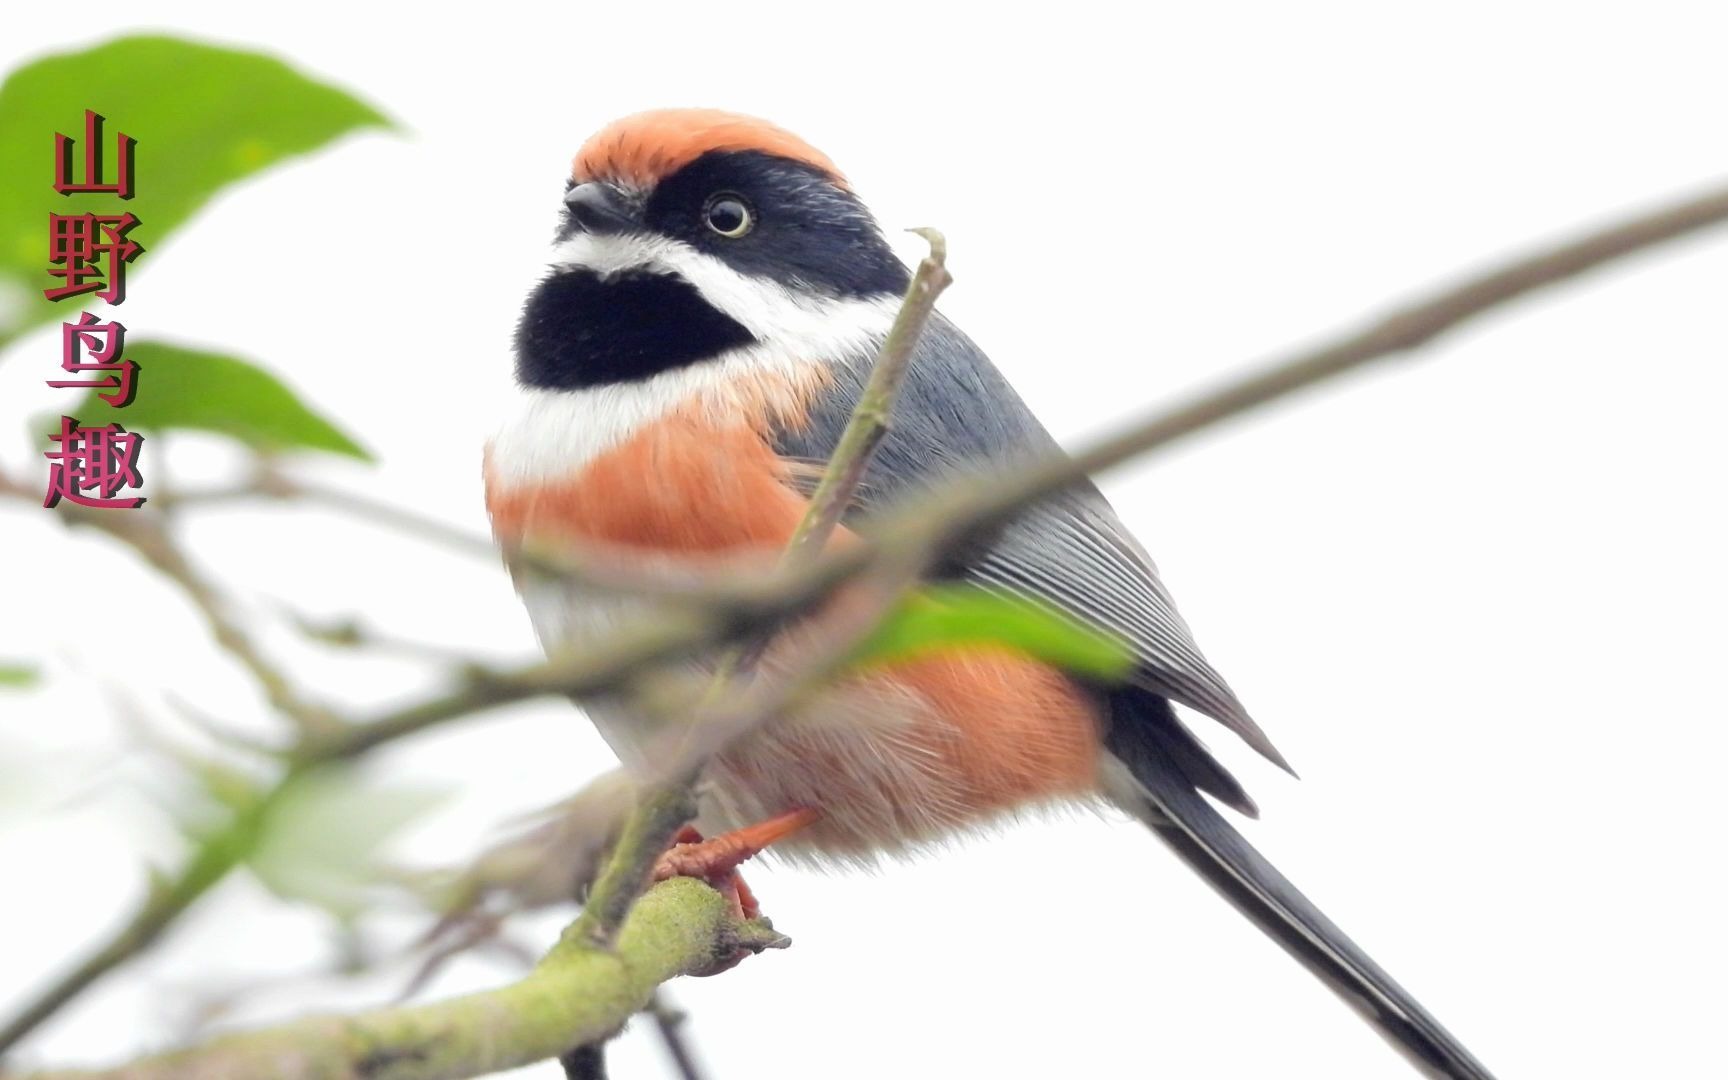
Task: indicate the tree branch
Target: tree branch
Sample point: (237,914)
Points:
(577,994)
(665,807)
(225,848)
(869,421)
(592,570)
(148,535)
(933,526)
(944,519)
(669,1023)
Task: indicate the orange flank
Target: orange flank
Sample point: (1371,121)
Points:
(897,755)
(1018,731)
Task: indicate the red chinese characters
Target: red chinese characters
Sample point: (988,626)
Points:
(90,246)
(93,465)
(93,152)
(98,343)
(88,253)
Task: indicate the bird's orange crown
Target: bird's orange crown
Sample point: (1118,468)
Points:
(645,148)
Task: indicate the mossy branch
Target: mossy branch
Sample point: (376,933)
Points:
(577,994)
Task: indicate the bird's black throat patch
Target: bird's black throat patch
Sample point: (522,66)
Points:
(579,329)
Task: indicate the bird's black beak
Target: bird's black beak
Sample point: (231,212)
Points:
(600,209)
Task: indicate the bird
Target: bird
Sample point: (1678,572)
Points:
(716,295)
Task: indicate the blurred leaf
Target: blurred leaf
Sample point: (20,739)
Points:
(18,676)
(322,840)
(187,388)
(226,787)
(967,616)
(203,117)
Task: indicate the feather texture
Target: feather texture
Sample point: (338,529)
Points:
(892,760)
(956,412)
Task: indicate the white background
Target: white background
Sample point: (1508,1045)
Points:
(1476,595)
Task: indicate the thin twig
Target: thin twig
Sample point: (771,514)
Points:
(148,535)
(220,851)
(269,482)
(165,901)
(586,1062)
(870,420)
(621,657)
(669,1022)
(1404,329)
(352,633)
(724,718)
(665,807)
(595,570)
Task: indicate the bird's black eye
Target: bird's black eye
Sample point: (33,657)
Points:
(729,216)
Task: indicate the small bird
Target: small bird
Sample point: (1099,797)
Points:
(716,297)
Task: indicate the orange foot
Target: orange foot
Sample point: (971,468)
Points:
(716,861)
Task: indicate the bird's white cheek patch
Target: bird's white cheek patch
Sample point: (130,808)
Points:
(608,255)
(549,433)
(769,310)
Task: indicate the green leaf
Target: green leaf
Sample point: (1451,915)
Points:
(182,388)
(324,837)
(18,676)
(203,117)
(967,616)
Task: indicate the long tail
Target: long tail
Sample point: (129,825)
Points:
(1182,818)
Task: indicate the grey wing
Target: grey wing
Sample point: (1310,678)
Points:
(956,412)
